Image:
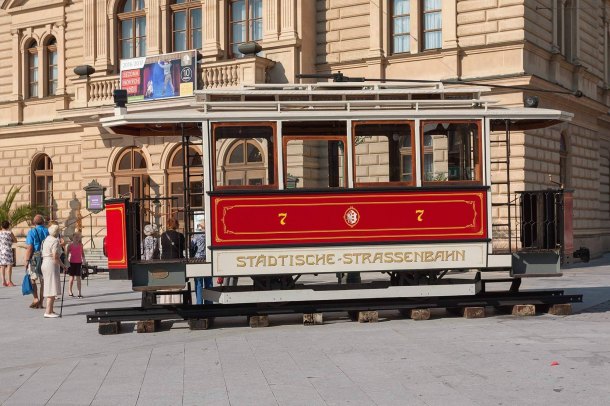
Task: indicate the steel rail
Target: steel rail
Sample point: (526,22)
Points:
(185,312)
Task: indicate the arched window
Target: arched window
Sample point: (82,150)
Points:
(130,175)
(186,24)
(246,23)
(32,55)
(176,182)
(244,164)
(132,29)
(563,161)
(52,70)
(42,183)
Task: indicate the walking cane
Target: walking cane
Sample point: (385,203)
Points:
(63,290)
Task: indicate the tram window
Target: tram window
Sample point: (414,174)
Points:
(383,153)
(314,162)
(244,155)
(451,151)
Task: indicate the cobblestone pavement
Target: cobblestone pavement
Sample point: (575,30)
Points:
(499,360)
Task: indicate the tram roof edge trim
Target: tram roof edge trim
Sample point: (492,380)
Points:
(164,123)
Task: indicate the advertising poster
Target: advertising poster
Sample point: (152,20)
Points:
(159,76)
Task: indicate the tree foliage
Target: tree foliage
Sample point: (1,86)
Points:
(18,214)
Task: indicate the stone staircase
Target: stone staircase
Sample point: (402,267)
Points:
(95,256)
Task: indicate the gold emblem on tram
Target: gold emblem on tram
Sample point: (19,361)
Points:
(351,216)
(158,274)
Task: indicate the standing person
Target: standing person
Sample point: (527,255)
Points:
(7,238)
(197,250)
(172,241)
(167,77)
(172,247)
(51,263)
(76,256)
(33,258)
(150,244)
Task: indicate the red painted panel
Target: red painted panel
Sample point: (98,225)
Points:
(348,217)
(116,241)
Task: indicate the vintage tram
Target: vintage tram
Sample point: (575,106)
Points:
(388,187)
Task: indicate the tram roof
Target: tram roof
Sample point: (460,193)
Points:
(331,101)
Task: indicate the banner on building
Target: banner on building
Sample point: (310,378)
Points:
(159,76)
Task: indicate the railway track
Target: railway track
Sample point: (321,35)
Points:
(541,300)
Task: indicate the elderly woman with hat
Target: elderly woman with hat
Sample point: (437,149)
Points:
(150,245)
(51,262)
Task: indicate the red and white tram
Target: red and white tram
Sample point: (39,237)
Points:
(390,185)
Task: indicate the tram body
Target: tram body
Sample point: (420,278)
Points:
(387,181)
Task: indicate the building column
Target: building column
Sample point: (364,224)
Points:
(153,25)
(18,58)
(288,20)
(60,38)
(89,32)
(211,30)
(271,10)
(103,61)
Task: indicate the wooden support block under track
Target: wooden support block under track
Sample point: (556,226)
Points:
(147,326)
(524,310)
(199,324)
(473,312)
(258,321)
(312,319)
(368,317)
(420,314)
(112,327)
(564,309)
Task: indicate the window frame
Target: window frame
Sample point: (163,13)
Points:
(175,174)
(33,66)
(413,182)
(188,7)
(341,138)
(249,24)
(45,173)
(479,169)
(423,29)
(133,15)
(215,157)
(393,33)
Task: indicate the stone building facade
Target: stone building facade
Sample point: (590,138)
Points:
(52,145)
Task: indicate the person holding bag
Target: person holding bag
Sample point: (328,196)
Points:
(51,264)
(33,258)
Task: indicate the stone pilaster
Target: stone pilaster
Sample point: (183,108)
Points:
(270,20)
(102,52)
(288,20)
(153,28)
(17,57)
(60,38)
(211,30)
(89,32)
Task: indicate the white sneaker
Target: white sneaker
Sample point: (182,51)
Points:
(51,315)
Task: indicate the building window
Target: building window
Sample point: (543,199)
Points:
(32,53)
(246,23)
(42,184)
(431,24)
(176,182)
(131,179)
(566,27)
(186,25)
(52,70)
(132,29)
(401,26)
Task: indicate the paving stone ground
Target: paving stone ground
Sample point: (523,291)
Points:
(499,360)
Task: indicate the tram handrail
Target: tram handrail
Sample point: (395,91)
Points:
(280,105)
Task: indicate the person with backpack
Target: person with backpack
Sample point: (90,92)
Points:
(33,258)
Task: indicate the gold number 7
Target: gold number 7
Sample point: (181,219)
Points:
(420,214)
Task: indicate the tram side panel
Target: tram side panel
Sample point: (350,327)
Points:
(270,233)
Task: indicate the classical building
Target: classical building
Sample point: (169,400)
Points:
(52,145)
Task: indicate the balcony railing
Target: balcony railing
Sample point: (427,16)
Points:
(97,91)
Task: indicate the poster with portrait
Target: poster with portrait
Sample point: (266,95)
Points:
(160,76)
(198,221)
